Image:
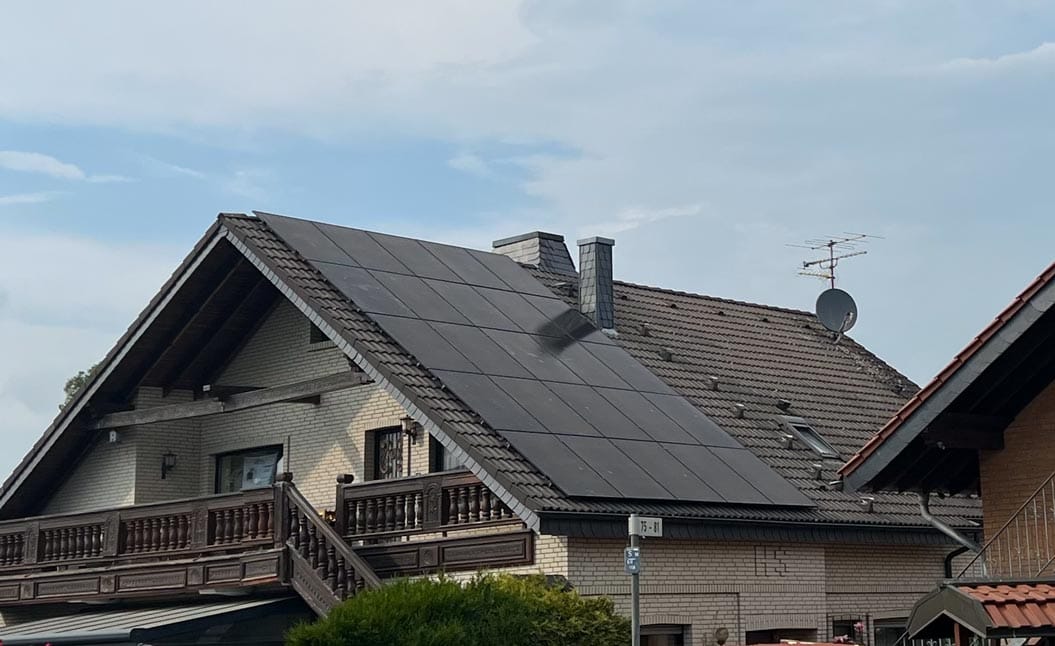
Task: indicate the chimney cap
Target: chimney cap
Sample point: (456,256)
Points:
(596,240)
(540,235)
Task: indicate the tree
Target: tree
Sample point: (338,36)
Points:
(488,610)
(76,382)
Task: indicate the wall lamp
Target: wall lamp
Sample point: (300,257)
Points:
(168,463)
(410,428)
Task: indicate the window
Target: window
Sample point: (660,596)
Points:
(248,469)
(802,431)
(440,459)
(662,635)
(775,635)
(848,630)
(388,453)
(888,631)
(315,335)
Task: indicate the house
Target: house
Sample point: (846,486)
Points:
(306,410)
(984,425)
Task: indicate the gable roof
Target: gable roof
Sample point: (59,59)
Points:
(756,352)
(986,381)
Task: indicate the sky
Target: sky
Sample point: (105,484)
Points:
(705,137)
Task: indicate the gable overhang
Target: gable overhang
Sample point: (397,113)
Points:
(932,443)
(414,409)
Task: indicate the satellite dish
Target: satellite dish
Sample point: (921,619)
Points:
(836,310)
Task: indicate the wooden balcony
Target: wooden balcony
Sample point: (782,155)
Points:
(264,540)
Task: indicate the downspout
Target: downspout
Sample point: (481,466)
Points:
(950,556)
(941,526)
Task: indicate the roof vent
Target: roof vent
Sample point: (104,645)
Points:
(818,471)
(835,485)
(665,354)
(867,503)
(538,248)
(784,404)
(739,410)
(787,441)
(596,289)
(644,330)
(712,382)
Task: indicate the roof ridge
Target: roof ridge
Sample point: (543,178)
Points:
(722,299)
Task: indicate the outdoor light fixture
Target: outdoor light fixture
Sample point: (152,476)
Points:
(410,428)
(168,463)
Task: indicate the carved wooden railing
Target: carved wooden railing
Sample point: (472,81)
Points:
(325,569)
(176,529)
(1024,547)
(438,502)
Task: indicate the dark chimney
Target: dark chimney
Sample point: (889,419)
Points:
(538,248)
(596,292)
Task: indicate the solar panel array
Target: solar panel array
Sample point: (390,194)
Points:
(588,415)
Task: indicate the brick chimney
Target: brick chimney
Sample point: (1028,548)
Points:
(543,250)
(596,291)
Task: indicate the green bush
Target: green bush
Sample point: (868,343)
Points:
(490,610)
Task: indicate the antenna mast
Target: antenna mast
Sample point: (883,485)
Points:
(838,247)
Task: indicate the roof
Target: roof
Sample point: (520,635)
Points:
(585,413)
(134,624)
(1023,605)
(759,355)
(984,379)
(989,610)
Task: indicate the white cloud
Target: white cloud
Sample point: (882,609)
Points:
(27,198)
(38,163)
(631,218)
(73,297)
(1041,56)
(471,164)
(30,162)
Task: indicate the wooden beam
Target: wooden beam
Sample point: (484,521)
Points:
(966,431)
(304,391)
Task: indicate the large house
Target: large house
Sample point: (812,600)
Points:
(306,410)
(984,425)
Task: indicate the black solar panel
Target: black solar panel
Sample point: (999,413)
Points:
(590,417)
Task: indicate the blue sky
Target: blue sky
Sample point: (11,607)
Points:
(703,136)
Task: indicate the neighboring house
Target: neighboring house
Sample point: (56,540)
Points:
(305,410)
(985,425)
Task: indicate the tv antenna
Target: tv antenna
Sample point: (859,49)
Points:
(838,248)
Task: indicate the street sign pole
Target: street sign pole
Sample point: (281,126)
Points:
(635,584)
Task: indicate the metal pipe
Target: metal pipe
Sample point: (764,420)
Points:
(941,526)
(952,555)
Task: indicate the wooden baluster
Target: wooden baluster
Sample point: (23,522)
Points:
(371,516)
(220,528)
(360,517)
(155,534)
(266,529)
(452,507)
(182,531)
(141,535)
(97,541)
(351,512)
(128,531)
(305,549)
(342,579)
(228,525)
(331,567)
(82,541)
(164,529)
(485,504)
(253,519)
(46,547)
(390,513)
(463,504)
(6,545)
(313,547)
(239,525)
(419,510)
(401,512)
(474,504)
(65,544)
(174,532)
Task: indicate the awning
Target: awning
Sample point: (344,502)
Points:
(138,625)
(988,609)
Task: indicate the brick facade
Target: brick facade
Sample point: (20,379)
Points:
(1010,476)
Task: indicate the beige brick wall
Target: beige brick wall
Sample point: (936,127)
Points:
(758,586)
(324,440)
(1011,475)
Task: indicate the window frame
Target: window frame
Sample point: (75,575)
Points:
(812,439)
(252,451)
(438,456)
(375,441)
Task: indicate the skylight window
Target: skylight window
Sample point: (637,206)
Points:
(801,430)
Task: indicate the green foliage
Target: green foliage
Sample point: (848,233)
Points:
(76,382)
(487,611)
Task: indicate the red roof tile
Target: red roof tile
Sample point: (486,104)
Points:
(1016,606)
